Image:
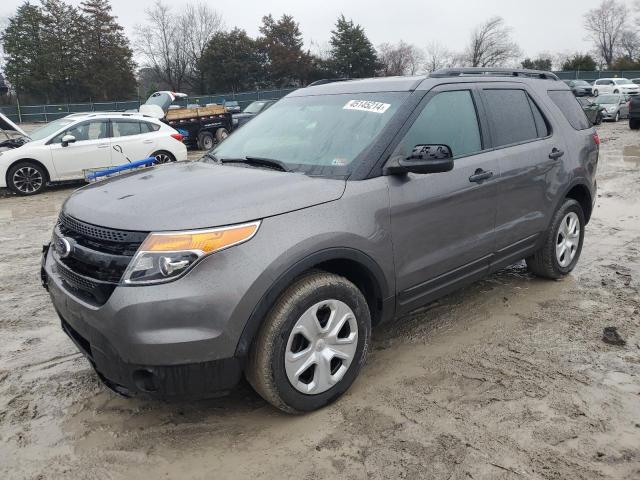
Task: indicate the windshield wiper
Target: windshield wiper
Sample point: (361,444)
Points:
(210,157)
(258,161)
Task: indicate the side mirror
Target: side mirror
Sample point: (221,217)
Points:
(67,139)
(423,159)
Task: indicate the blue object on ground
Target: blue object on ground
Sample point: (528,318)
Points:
(119,168)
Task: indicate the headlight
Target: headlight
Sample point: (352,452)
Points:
(165,256)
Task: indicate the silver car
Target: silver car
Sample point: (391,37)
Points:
(342,206)
(615,105)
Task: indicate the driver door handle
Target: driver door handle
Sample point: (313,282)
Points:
(555,153)
(103,145)
(480,176)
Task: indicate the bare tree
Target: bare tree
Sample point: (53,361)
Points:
(400,59)
(630,45)
(606,25)
(491,45)
(437,57)
(198,23)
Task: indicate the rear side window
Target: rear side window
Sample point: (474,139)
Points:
(570,108)
(125,128)
(448,119)
(148,127)
(512,117)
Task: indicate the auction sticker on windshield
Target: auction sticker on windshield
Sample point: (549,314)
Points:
(366,106)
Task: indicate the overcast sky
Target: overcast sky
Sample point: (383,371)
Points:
(553,26)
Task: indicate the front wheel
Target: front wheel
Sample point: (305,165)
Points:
(563,243)
(595,92)
(27,178)
(617,117)
(312,344)
(634,123)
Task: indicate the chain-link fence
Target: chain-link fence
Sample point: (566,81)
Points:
(46,113)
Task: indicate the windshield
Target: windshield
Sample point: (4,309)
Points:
(623,81)
(319,135)
(254,107)
(50,128)
(608,99)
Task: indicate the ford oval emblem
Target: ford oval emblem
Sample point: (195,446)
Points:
(63,247)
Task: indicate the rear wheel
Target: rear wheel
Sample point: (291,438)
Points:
(163,157)
(634,123)
(312,344)
(563,243)
(205,141)
(221,134)
(27,178)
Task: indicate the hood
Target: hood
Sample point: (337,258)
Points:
(6,124)
(194,195)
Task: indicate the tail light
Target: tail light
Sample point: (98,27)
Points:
(177,136)
(596,138)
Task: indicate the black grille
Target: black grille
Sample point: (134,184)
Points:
(98,258)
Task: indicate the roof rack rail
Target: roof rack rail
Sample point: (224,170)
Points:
(324,81)
(504,72)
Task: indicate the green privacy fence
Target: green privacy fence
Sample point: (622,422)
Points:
(590,76)
(46,113)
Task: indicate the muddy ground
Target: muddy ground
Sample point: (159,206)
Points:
(506,379)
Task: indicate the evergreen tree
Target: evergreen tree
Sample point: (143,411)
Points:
(107,57)
(579,62)
(287,63)
(23,45)
(231,62)
(62,49)
(352,53)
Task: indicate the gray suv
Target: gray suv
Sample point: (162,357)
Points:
(344,205)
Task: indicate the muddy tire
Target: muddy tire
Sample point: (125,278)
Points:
(563,243)
(634,123)
(206,141)
(221,134)
(312,344)
(27,178)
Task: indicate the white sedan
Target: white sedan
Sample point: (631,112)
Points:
(63,149)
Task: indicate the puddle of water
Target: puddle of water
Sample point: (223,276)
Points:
(631,154)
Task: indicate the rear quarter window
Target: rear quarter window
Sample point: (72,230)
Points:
(570,108)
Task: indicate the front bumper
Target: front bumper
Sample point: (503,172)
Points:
(149,341)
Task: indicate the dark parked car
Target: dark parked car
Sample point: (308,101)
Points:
(232,106)
(253,109)
(339,208)
(634,112)
(580,88)
(592,110)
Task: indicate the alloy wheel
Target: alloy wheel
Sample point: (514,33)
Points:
(27,179)
(568,239)
(162,158)
(321,346)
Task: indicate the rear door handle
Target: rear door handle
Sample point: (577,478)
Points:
(480,176)
(103,145)
(555,154)
(148,141)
